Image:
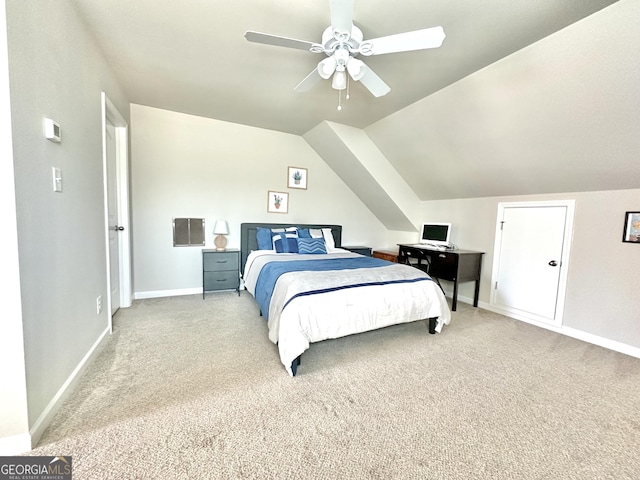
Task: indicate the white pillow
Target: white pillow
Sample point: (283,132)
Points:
(328,239)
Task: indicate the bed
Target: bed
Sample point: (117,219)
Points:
(309,289)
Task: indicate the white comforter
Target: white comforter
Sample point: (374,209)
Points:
(313,318)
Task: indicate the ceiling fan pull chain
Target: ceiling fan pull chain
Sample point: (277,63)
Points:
(339,99)
(347,95)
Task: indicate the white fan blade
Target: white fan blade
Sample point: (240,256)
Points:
(374,83)
(309,82)
(342,16)
(278,41)
(406,42)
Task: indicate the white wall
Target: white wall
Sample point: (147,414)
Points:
(603,283)
(189,166)
(56,71)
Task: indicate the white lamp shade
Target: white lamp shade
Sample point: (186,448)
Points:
(221,228)
(356,68)
(339,80)
(326,67)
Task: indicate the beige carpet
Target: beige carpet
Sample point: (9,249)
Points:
(189,388)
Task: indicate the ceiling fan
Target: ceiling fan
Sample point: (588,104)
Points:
(342,42)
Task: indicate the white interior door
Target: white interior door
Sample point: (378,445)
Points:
(116,207)
(529,273)
(112,205)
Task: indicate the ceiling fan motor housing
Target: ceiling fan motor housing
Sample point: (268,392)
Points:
(331,42)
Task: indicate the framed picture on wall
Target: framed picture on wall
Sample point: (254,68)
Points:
(277,202)
(631,232)
(297,177)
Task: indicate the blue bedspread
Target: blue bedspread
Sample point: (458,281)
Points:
(271,272)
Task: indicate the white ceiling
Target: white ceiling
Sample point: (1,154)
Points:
(190,56)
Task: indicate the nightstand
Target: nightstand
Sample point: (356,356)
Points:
(366,251)
(220,270)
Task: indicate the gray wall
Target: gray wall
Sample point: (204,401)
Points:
(57,71)
(558,116)
(189,166)
(603,283)
(14,423)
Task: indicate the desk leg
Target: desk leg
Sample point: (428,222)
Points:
(476,294)
(454,302)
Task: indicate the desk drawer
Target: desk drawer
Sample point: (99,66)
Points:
(221,280)
(220,262)
(444,265)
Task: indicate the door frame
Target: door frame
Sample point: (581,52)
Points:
(110,113)
(564,262)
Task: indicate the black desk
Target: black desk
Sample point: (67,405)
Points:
(453,265)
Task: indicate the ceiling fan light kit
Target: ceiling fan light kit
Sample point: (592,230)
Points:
(342,42)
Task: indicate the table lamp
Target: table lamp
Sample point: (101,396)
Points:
(220,229)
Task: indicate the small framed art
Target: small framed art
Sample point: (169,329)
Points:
(631,232)
(297,178)
(277,202)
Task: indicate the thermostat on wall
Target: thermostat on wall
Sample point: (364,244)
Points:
(51,130)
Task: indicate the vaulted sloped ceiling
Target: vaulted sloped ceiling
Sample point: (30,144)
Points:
(354,157)
(191,56)
(562,115)
(522,98)
(558,116)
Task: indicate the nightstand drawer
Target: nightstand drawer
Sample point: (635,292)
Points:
(221,280)
(220,261)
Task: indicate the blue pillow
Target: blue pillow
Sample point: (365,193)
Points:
(304,233)
(285,242)
(263,235)
(311,245)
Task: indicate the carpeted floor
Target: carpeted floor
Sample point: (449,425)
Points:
(188,388)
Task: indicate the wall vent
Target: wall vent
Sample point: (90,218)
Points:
(188,232)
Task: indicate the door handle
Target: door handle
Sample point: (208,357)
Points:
(553,263)
(118,228)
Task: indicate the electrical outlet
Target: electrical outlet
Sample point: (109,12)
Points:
(99,304)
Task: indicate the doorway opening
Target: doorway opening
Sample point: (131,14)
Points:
(116,203)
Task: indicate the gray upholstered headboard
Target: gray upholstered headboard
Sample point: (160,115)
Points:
(249,242)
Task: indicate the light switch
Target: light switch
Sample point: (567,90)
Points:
(57,179)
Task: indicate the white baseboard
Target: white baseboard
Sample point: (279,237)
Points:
(601,341)
(54,405)
(568,331)
(15,445)
(167,293)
